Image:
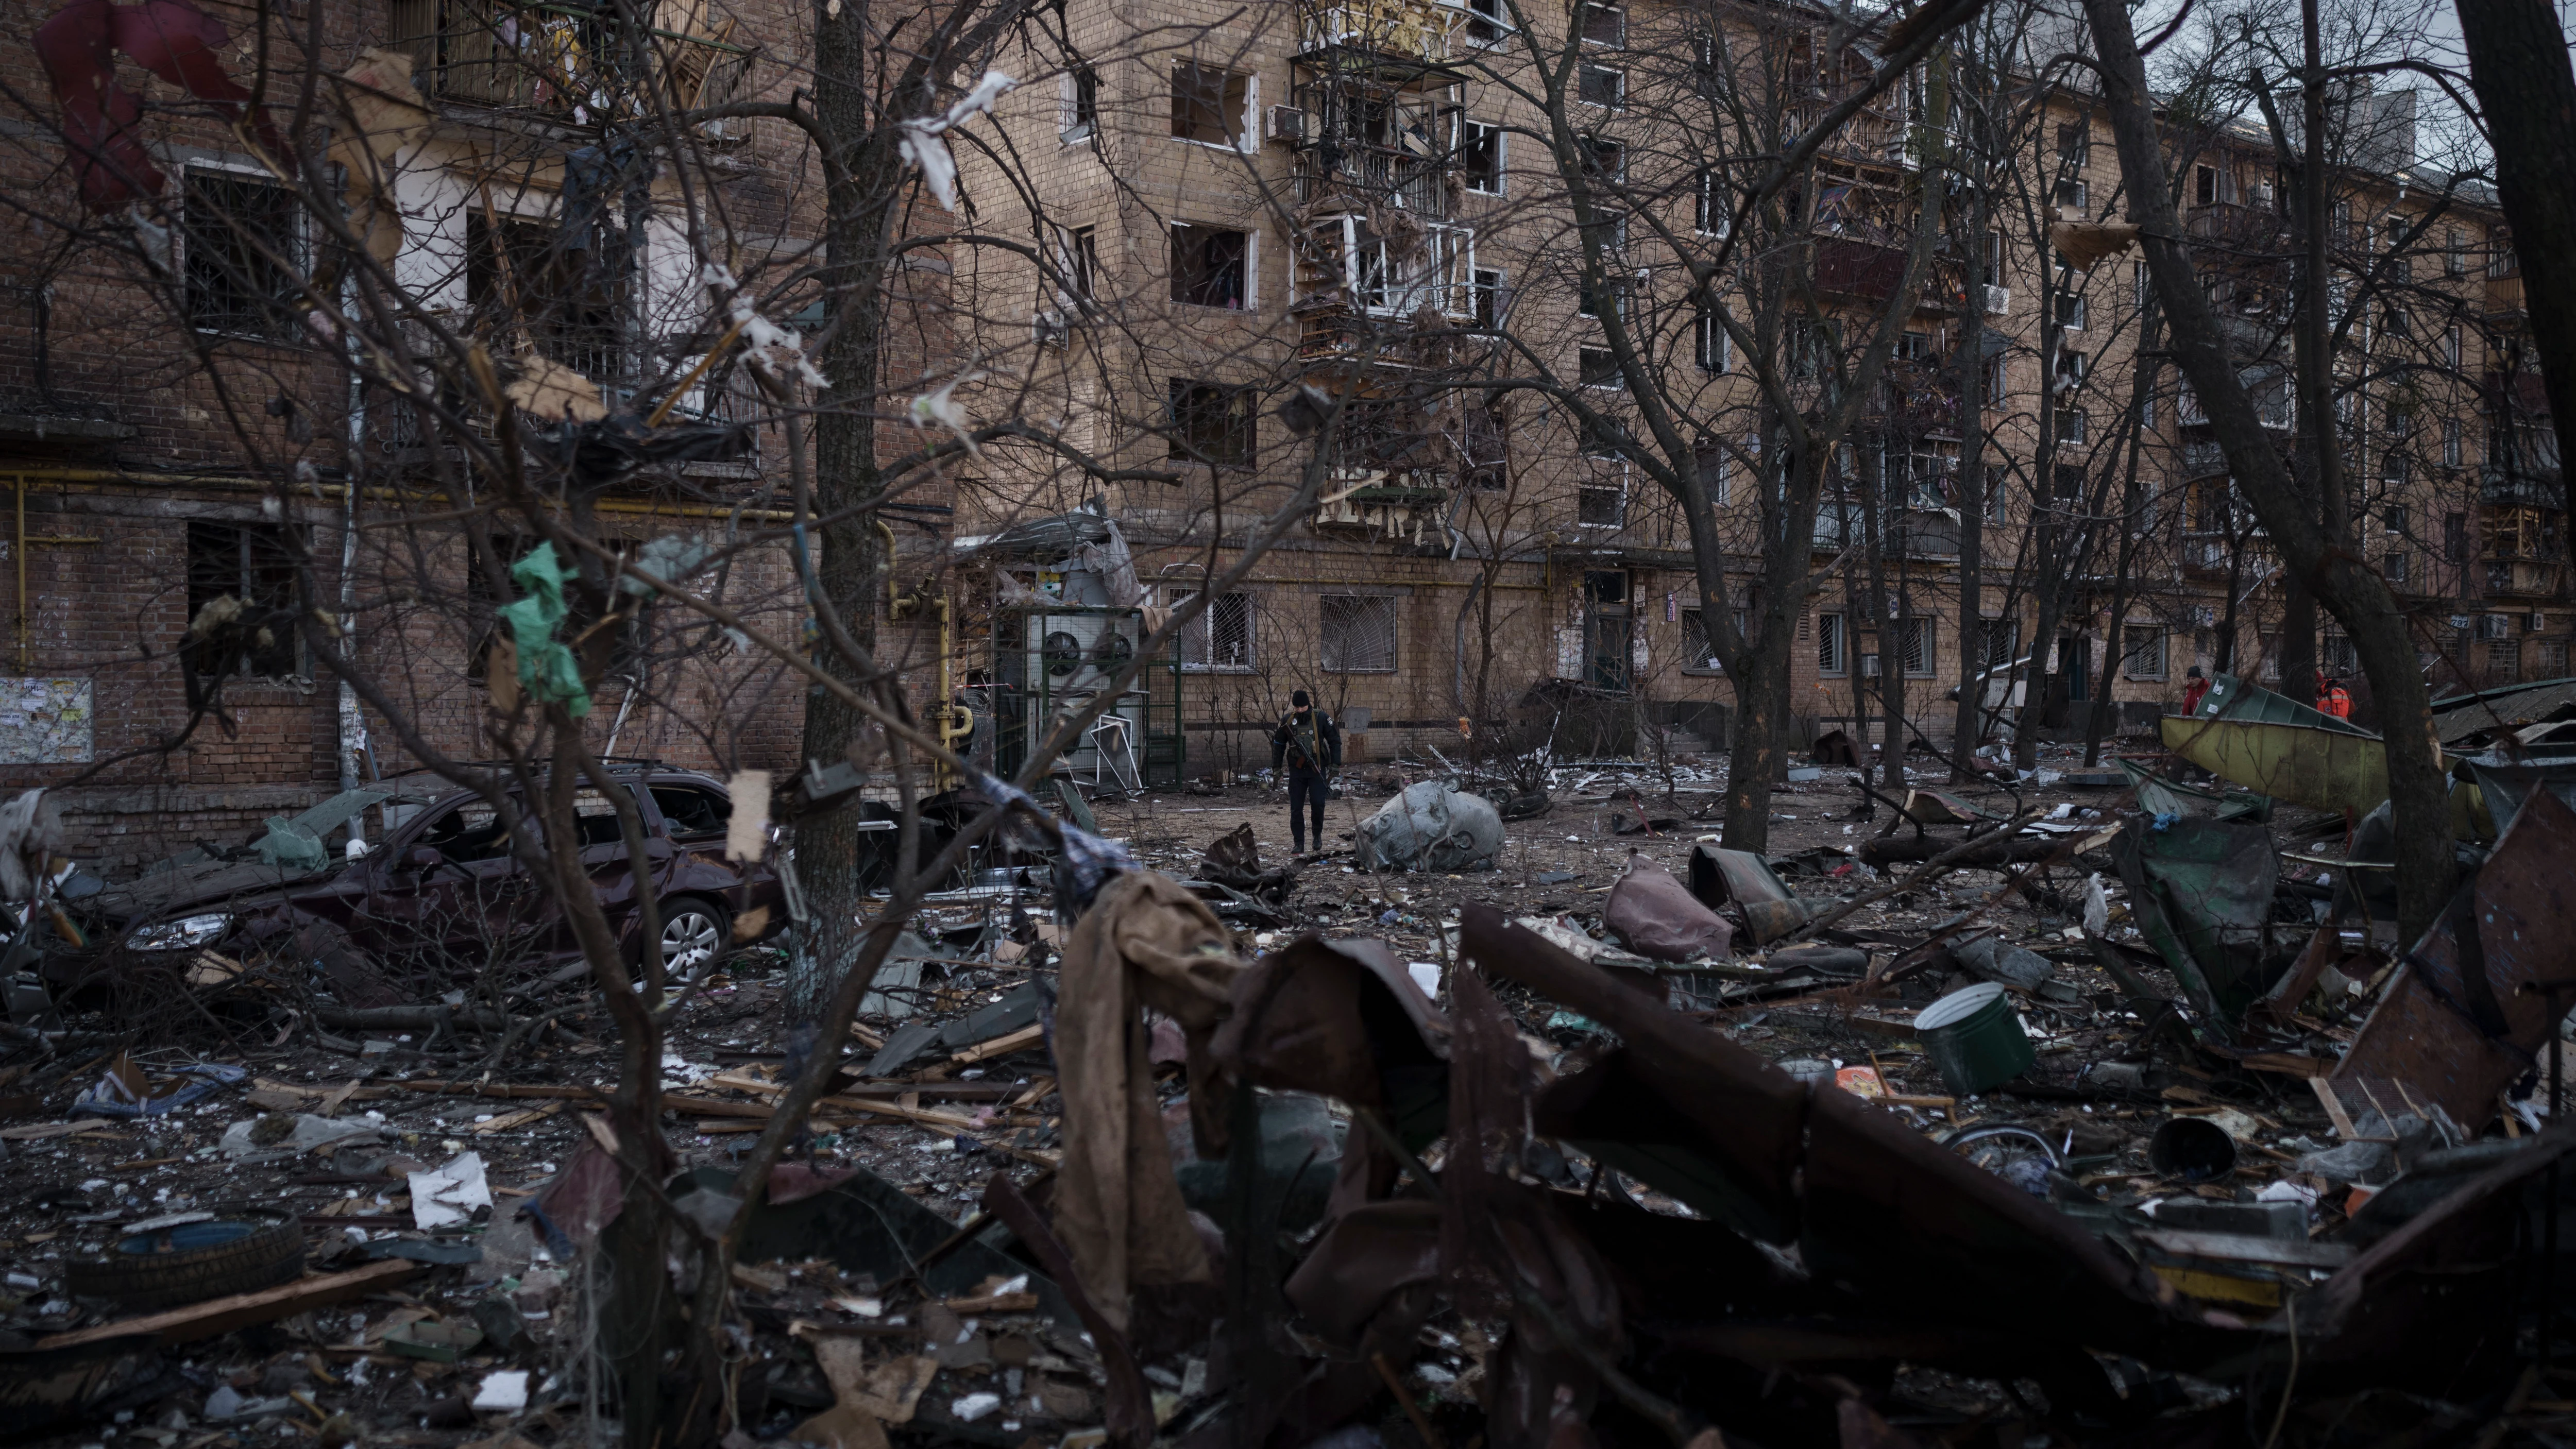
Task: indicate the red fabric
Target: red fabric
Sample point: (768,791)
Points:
(174,40)
(2192,693)
(79,55)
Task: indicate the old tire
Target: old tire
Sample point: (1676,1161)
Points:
(239,1250)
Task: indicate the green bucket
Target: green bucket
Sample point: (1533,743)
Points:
(1975,1037)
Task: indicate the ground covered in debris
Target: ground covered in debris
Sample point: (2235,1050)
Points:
(440,1231)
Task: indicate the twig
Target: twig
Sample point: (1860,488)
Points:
(1937,865)
(1412,1410)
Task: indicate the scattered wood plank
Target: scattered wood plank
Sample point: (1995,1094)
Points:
(241,1310)
(1000,1046)
(521,1118)
(40,1131)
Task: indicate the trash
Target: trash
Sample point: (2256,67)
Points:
(2097,906)
(125,1090)
(1654,915)
(434,1341)
(1425,974)
(2466,1019)
(1861,1082)
(1720,877)
(1301,1148)
(278,1135)
(502,1392)
(1995,959)
(974,1406)
(450,1194)
(191,1257)
(1430,826)
(2160,796)
(1145,942)
(241,1310)
(1554,877)
(1018,1010)
(1821,959)
(2192,1149)
(1974,1038)
(2202,894)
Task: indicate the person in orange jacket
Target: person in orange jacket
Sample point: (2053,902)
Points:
(2332,697)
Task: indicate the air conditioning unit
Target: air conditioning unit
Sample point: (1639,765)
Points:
(2494,626)
(2260,193)
(1998,301)
(1053,329)
(2204,616)
(2535,621)
(1288,123)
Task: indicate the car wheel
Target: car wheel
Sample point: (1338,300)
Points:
(693,935)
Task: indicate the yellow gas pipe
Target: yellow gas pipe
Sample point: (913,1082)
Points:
(954,722)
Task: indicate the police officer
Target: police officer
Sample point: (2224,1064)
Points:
(1308,745)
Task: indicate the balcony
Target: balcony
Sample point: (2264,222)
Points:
(1380,504)
(1366,295)
(1857,270)
(1405,43)
(546,58)
(2522,578)
(1373,175)
(2503,301)
(2513,485)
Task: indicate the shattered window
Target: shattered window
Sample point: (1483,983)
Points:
(245,253)
(1359,633)
(1221,638)
(519,274)
(1209,266)
(1208,102)
(253,563)
(1211,424)
(692,811)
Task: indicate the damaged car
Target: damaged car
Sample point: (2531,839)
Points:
(442,892)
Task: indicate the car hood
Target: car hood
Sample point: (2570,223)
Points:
(207,883)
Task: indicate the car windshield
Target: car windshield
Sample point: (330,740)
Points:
(472,830)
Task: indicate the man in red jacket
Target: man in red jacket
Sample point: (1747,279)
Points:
(2195,686)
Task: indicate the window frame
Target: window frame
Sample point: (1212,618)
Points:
(1916,634)
(1201,631)
(1474,136)
(1247,266)
(299,245)
(1833,637)
(1617,85)
(1078,105)
(1326,645)
(1246,132)
(2130,638)
(1179,396)
(239,578)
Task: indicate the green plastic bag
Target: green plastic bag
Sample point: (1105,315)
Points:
(547,670)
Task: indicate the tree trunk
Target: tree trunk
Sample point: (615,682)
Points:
(845,569)
(2333,570)
(2519,68)
(1966,722)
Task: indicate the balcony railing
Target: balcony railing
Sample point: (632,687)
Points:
(1378,174)
(1413,28)
(550,57)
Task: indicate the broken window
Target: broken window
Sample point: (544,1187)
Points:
(2074,144)
(691,811)
(1709,342)
(1359,633)
(1605,23)
(1077,261)
(1480,157)
(2393,566)
(1600,367)
(1487,300)
(1438,273)
(1221,638)
(2072,193)
(1211,105)
(2070,425)
(1487,21)
(1211,424)
(1210,266)
(1079,105)
(254,563)
(518,274)
(1603,85)
(1601,504)
(244,251)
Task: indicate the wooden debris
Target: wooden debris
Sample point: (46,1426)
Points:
(241,1310)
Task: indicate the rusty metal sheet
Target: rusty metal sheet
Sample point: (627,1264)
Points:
(1337,1018)
(1907,1223)
(2461,1037)
(1750,1115)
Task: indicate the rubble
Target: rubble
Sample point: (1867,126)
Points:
(1622,1134)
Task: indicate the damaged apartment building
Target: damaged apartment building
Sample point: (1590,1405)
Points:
(1367,200)
(176,428)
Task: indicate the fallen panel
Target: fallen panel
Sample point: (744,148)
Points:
(2303,764)
(2462,1034)
(2202,892)
(2231,697)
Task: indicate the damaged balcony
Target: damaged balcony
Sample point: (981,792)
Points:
(1368,292)
(557,60)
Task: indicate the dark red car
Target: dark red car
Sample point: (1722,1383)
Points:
(443,891)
